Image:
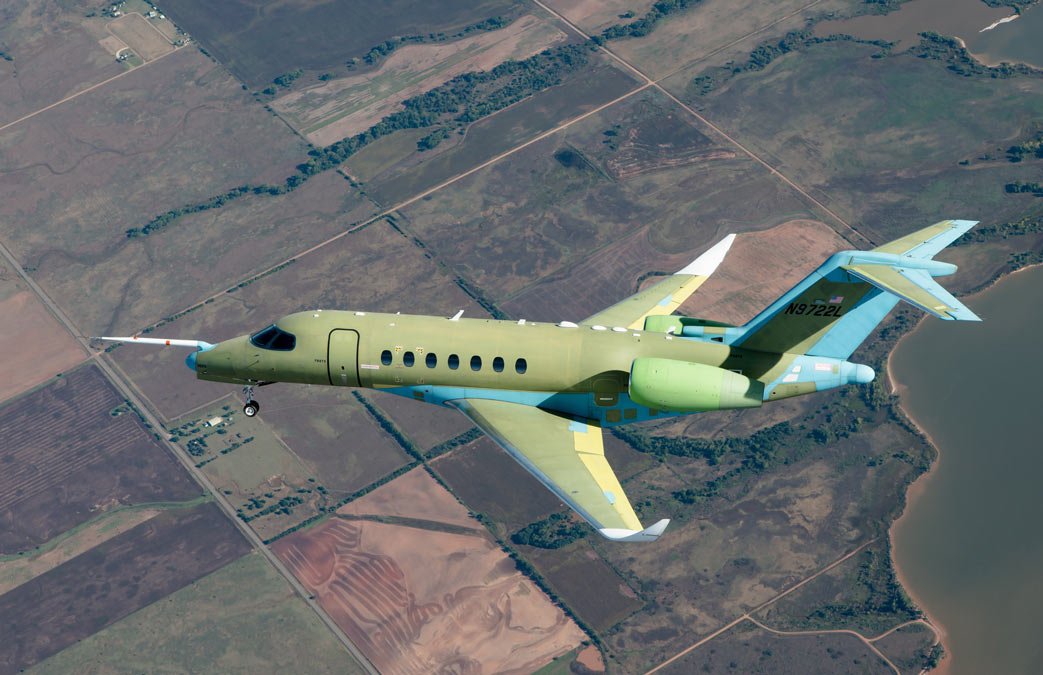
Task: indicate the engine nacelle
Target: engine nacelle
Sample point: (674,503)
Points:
(681,386)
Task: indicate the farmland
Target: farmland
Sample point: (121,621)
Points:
(426,593)
(112,580)
(212,624)
(34,348)
(50,54)
(160,201)
(345,106)
(74,448)
(259,43)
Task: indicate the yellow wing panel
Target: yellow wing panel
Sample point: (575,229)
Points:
(568,457)
(665,296)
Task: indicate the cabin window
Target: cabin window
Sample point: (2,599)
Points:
(476,362)
(385,357)
(454,362)
(273,337)
(520,366)
(431,360)
(498,364)
(408,359)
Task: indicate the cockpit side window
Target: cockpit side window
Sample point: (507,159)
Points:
(274,338)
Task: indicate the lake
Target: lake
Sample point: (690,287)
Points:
(970,546)
(1016,40)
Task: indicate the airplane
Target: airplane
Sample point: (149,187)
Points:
(544,391)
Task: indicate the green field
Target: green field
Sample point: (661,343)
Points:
(243,618)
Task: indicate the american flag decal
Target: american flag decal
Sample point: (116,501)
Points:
(836,299)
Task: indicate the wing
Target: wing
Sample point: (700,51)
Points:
(665,296)
(567,456)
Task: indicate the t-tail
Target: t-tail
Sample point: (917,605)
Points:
(820,322)
(833,310)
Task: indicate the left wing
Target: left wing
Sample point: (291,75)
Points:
(665,296)
(567,456)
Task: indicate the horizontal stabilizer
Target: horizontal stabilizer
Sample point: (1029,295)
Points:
(926,243)
(916,287)
(650,533)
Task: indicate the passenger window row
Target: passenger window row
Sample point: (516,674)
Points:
(431,361)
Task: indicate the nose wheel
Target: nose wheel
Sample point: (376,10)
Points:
(252,407)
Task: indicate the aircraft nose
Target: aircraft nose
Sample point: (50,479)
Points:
(190,360)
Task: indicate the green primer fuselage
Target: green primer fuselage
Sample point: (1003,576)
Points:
(578,370)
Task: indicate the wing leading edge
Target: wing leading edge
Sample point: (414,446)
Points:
(566,455)
(665,296)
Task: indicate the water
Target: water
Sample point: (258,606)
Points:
(1016,40)
(970,546)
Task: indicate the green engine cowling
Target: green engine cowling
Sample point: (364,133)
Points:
(681,386)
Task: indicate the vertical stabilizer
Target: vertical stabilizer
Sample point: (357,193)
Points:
(833,310)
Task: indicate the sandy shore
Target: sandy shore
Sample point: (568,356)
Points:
(917,488)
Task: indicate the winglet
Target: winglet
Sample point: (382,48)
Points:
(650,533)
(705,264)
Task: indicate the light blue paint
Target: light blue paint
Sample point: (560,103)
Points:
(576,425)
(853,328)
(190,360)
(666,301)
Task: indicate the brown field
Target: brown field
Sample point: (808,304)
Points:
(341,107)
(71,449)
(140,36)
(586,583)
(77,176)
(34,347)
(54,53)
(593,16)
(260,42)
(20,569)
(112,580)
(760,267)
(333,434)
(420,601)
(413,495)
(488,481)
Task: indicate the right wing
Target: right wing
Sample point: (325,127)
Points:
(568,457)
(665,296)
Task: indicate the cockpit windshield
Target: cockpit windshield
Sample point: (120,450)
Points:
(273,337)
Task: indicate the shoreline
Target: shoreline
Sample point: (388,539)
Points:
(916,489)
(992,63)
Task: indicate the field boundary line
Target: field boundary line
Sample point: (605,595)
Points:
(864,639)
(655,84)
(761,606)
(90,88)
(147,415)
(392,209)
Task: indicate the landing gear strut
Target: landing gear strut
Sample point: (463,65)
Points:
(252,407)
